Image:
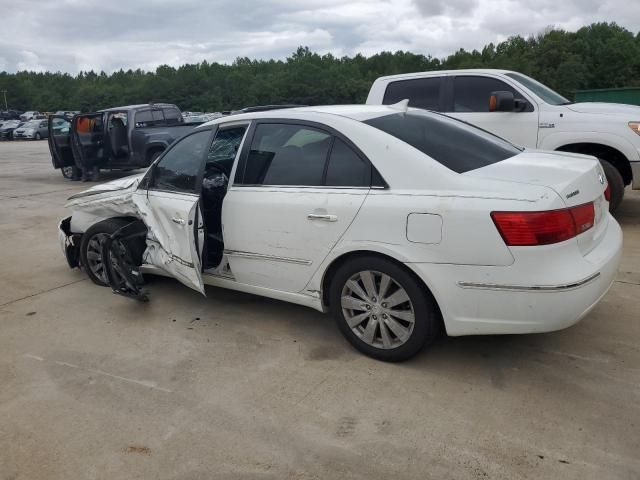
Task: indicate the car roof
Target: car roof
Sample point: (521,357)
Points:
(445,72)
(136,107)
(355,112)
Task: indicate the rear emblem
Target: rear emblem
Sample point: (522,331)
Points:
(573,194)
(601,178)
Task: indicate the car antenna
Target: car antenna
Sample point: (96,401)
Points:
(402,105)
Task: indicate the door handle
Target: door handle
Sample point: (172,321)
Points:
(325,218)
(177,220)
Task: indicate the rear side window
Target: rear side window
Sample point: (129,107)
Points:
(421,92)
(149,118)
(172,116)
(346,168)
(284,154)
(143,118)
(471,94)
(157,116)
(456,145)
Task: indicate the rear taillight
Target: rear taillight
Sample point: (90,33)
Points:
(607,193)
(520,229)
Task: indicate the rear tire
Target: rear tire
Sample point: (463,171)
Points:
(391,317)
(616,185)
(91,248)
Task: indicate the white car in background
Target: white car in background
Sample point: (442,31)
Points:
(527,113)
(399,221)
(30,115)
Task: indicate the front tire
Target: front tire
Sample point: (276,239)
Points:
(91,248)
(616,185)
(382,309)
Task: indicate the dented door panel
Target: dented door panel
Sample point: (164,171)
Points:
(173,229)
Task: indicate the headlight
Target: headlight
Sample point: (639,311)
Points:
(635,126)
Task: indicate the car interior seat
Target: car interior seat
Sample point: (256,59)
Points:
(118,138)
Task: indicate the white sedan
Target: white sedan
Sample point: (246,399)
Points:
(401,222)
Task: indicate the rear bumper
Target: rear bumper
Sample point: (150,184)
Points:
(524,298)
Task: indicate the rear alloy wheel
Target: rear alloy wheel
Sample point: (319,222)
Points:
(382,309)
(616,185)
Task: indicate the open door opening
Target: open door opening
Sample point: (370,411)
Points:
(117,140)
(88,140)
(215,182)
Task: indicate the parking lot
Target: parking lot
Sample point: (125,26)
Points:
(94,385)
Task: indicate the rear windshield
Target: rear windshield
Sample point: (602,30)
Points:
(457,145)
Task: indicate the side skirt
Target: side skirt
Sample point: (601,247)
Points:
(217,281)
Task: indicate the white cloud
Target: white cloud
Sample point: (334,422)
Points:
(73,35)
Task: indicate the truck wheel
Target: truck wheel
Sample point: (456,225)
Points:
(616,185)
(71,172)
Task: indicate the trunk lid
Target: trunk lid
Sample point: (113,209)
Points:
(577,179)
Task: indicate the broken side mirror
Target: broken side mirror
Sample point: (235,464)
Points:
(502,101)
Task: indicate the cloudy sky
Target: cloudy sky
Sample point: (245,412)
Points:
(73,35)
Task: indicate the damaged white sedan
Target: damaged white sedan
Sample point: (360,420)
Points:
(401,222)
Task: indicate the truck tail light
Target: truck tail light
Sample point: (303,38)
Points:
(543,228)
(607,193)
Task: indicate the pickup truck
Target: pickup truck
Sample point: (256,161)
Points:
(527,113)
(121,138)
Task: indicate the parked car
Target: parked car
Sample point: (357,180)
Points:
(33,130)
(30,115)
(10,115)
(6,131)
(121,138)
(398,221)
(527,113)
(66,113)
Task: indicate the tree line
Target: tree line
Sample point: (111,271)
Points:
(600,55)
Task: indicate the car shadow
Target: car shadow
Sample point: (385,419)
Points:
(492,356)
(628,213)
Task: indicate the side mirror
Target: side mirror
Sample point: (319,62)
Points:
(502,101)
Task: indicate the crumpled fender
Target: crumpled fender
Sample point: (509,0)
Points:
(123,274)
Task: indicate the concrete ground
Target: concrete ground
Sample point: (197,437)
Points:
(97,386)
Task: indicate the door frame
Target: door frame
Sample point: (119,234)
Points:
(76,145)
